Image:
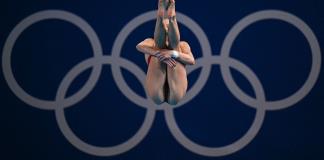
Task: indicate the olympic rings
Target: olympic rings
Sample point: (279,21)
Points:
(224,60)
(244,140)
(68,133)
(136,22)
(24,24)
(309,35)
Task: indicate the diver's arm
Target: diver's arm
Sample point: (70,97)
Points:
(185,56)
(147,47)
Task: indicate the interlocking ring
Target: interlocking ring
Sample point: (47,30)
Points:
(17,31)
(224,60)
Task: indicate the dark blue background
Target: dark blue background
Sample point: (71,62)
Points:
(276,51)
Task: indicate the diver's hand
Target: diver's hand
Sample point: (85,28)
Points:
(165,57)
(170,62)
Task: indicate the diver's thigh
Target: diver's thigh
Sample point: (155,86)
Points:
(178,83)
(155,80)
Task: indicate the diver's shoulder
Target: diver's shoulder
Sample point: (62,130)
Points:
(184,45)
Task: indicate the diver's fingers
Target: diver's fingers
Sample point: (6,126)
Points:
(157,54)
(173,61)
(164,58)
(160,57)
(168,63)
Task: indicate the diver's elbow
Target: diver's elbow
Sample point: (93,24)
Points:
(139,47)
(192,62)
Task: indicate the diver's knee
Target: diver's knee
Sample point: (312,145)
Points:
(175,97)
(158,100)
(157,96)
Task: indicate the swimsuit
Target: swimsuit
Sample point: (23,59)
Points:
(149,59)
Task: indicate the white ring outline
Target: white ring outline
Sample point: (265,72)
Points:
(301,26)
(207,151)
(141,19)
(24,24)
(241,142)
(76,141)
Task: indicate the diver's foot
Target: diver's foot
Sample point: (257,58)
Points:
(171,9)
(162,6)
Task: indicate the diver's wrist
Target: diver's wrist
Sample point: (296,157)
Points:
(157,53)
(175,54)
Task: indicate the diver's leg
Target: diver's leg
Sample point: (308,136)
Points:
(177,82)
(173,29)
(160,31)
(177,76)
(156,73)
(155,80)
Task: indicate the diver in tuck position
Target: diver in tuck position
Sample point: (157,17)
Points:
(166,57)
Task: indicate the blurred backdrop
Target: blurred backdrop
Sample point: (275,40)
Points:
(262,101)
